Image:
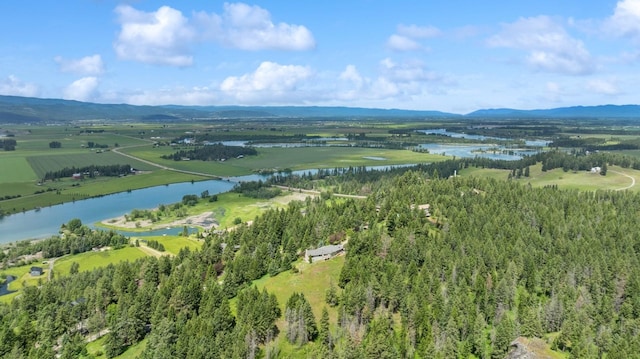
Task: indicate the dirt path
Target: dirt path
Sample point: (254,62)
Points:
(633,180)
(153,252)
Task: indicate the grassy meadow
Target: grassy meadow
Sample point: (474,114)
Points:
(617,178)
(90,260)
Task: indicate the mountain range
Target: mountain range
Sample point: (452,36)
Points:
(15,109)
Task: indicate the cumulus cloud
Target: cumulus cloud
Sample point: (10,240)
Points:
(161,37)
(603,87)
(402,43)
(550,48)
(394,81)
(13,86)
(249,27)
(269,82)
(88,65)
(84,89)
(407,37)
(165,36)
(625,21)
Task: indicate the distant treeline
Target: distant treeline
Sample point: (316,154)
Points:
(213,152)
(595,144)
(8,144)
(89,171)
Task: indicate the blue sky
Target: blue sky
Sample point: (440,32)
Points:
(455,56)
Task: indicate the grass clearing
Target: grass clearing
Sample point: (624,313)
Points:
(173,244)
(23,278)
(92,260)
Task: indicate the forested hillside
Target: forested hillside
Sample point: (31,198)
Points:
(494,261)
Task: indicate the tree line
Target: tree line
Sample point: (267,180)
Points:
(89,171)
(214,152)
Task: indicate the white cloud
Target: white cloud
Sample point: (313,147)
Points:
(550,48)
(84,89)
(248,27)
(13,86)
(161,37)
(164,36)
(88,65)
(269,82)
(402,43)
(407,36)
(625,21)
(418,32)
(407,72)
(603,87)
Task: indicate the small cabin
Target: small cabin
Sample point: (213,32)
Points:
(36,271)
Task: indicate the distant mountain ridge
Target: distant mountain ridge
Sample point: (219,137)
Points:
(602,111)
(15,109)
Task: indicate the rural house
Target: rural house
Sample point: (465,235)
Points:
(36,271)
(322,253)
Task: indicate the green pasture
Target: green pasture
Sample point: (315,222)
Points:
(234,205)
(91,260)
(173,244)
(292,158)
(15,168)
(96,347)
(617,178)
(48,163)
(583,180)
(313,280)
(23,278)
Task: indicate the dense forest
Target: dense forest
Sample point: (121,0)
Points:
(494,261)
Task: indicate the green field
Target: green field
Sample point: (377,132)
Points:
(23,278)
(91,260)
(15,168)
(42,164)
(292,158)
(173,244)
(617,178)
(312,281)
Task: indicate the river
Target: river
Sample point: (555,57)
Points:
(46,221)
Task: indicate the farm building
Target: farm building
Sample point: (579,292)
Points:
(36,271)
(323,253)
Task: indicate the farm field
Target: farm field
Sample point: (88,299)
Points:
(292,158)
(42,164)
